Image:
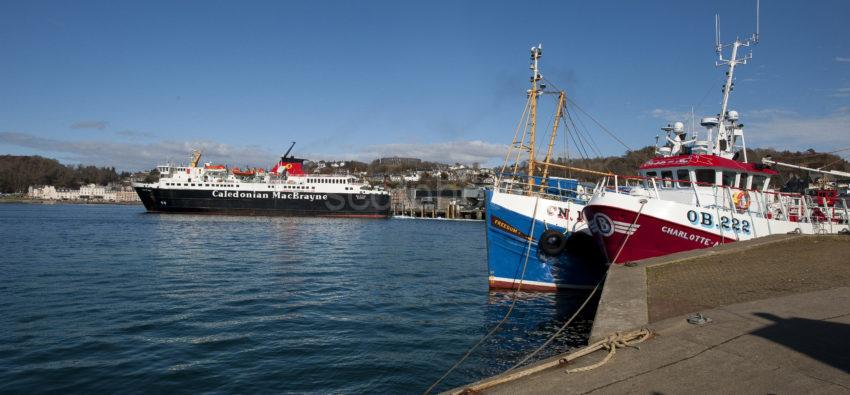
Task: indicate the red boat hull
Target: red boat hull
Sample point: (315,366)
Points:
(650,236)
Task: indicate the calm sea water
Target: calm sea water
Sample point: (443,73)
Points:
(97,298)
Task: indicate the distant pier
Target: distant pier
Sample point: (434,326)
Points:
(467,203)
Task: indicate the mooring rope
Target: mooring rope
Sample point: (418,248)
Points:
(611,343)
(629,230)
(564,326)
(617,339)
(586,300)
(510,309)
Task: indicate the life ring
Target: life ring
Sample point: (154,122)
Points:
(552,242)
(742,200)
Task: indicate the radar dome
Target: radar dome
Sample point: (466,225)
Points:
(708,122)
(732,115)
(678,127)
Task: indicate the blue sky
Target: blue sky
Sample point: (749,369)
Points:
(131,84)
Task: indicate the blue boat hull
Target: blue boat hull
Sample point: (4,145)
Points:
(514,256)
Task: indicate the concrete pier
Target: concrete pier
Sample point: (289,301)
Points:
(779,311)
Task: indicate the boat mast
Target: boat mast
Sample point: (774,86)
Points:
(533,93)
(725,133)
(562,99)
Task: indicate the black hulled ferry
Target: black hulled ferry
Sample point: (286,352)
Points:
(285,190)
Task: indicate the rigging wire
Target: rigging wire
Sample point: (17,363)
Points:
(611,134)
(516,134)
(564,326)
(579,147)
(591,141)
(585,136)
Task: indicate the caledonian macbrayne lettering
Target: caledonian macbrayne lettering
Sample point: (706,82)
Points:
(265,195)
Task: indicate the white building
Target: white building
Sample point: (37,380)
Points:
(88,192)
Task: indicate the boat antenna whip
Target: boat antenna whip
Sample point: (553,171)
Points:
(732,61)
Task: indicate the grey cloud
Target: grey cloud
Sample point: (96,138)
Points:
(841,92)
(138,156)
(99,125)
(787,130)
(134,133)
(670,115)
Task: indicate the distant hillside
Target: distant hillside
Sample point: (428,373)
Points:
(17,173)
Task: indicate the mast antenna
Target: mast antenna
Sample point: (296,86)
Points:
(717,46)
(756,36)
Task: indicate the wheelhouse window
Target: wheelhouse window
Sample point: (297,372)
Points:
(745,181)
(729,178)
(759,181)
(683,176)
(667,177)
(705,176)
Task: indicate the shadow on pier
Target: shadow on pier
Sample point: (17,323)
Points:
(824,341)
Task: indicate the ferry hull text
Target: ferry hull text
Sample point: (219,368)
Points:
(277,203)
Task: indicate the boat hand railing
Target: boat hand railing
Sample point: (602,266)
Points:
(761,202)
(518,184)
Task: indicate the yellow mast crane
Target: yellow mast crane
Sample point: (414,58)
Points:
(196,157)
(562,98)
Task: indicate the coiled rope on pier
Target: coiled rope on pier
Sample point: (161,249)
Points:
(610,343)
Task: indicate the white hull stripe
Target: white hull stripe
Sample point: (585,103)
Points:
(625,227)
(540,283)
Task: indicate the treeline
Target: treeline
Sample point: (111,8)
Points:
(17,173)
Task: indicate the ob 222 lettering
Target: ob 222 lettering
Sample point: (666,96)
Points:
(707,220)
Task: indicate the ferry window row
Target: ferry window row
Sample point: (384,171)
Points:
(293,187)
(327,180)
(177,184)
(728,178)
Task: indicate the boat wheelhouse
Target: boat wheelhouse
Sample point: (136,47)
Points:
(696,194)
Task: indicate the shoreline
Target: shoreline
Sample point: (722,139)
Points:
(51,202)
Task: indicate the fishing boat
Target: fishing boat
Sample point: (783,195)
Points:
(285,190)
(537,237)
(702,191)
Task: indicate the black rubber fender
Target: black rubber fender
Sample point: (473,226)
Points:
(552,242)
